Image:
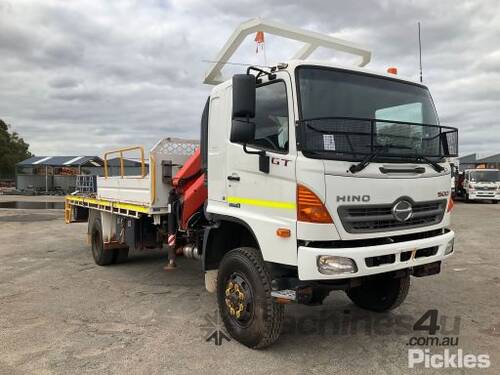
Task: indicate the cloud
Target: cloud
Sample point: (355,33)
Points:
(81,77)
(63,82)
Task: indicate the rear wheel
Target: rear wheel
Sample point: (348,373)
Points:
(101,257)
(244,297)
(380,293)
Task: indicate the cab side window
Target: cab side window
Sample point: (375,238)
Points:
(271,117)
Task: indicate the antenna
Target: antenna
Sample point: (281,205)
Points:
(420,51)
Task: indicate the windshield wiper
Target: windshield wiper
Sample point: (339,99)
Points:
(354,168)
(432,163)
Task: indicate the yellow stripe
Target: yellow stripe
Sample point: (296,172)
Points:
(262,203)
(123,206)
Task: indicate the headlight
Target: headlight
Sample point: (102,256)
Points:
(334,265)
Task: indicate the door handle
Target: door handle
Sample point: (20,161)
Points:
(233,178)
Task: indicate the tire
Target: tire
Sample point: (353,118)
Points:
(467,200)
(244,284)
(101,257)
(380,293)
(495,202)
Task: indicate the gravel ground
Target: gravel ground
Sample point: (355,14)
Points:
(60,313)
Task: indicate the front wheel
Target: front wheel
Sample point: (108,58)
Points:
(244,297)
(380,293)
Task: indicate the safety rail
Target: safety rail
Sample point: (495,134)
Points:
(122,165)
(354,138)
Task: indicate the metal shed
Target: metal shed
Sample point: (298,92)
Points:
(55,173)
(492,161)
(58,173)
(472,161)
(467,162)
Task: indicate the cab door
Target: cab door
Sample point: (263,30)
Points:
(266,201)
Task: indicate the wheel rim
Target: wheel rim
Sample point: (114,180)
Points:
(238,297)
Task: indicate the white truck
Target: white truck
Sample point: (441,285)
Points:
(454,172)
(309,178)
(481,184)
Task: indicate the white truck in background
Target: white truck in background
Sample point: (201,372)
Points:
(454,174)
(309,178)
(481,184)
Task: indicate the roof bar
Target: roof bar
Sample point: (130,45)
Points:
(312,40)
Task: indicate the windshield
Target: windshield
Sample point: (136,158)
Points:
(354,114)
(485,176)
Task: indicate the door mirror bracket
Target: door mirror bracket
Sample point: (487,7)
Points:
(264,160)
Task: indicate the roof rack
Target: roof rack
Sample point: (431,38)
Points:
(312,40)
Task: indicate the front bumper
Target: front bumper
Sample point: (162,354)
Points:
(307,257)
(486,195)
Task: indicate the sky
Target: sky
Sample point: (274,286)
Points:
(83,77)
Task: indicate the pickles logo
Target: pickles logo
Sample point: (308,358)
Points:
(447,359)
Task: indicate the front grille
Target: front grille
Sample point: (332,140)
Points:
(379,217)
(380,260)
(487,188)
(405,256)
(421,253)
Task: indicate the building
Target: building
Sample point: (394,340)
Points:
(58,173)
(467,162)
(492,162)
(471,161)
(54,173)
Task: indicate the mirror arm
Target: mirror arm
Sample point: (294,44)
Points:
(247,151)
(263,158)
(270,75)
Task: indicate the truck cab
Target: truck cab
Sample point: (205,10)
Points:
(482,184)
(339,177)
(352,171)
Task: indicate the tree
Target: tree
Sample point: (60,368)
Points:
(13,149)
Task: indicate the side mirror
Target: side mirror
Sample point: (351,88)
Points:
(242,132)
(244,95)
